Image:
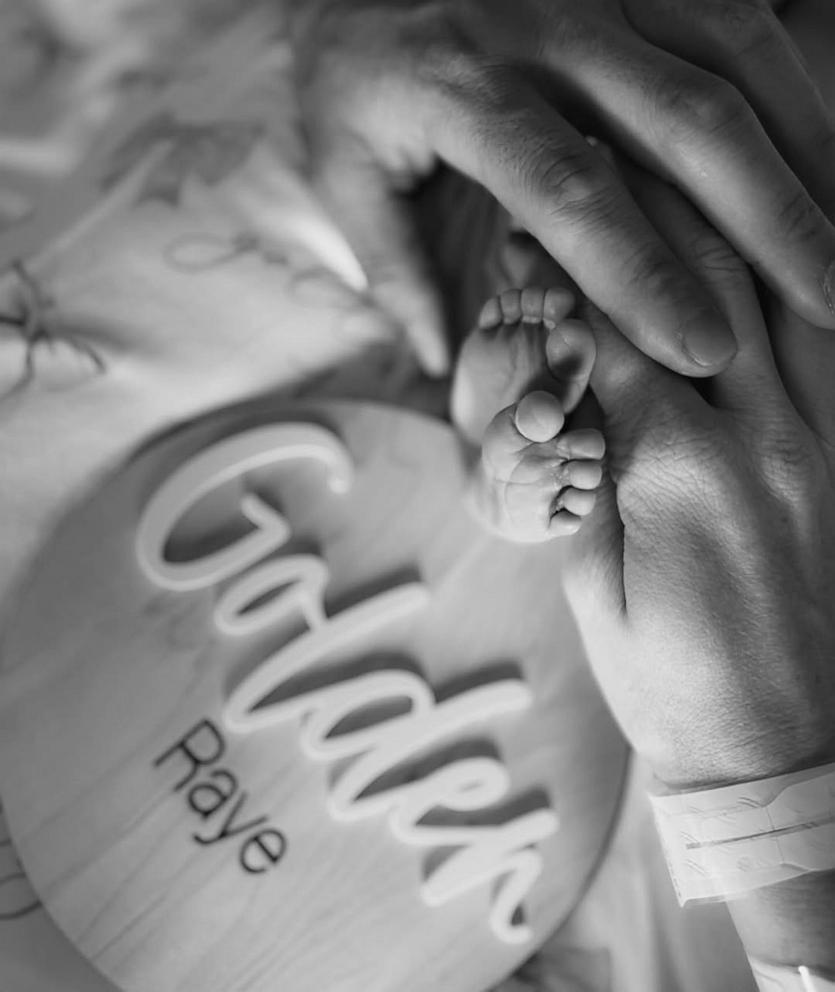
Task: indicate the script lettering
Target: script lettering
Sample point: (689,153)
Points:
(223,462)
(201,747)
(227,829)
(265,595)
(306,576)
(203,736)
(262,851)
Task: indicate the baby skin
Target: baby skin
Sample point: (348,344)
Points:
(521,372)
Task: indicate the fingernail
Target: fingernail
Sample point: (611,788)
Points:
(829,287)
(709,343)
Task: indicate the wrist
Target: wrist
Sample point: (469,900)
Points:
(791,923)
(737,765)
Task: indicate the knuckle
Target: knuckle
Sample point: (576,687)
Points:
(657,273)
(572,185)
(452,66)
(799,218)
(702,106)
(713,255)
(788,466)
(747,24)
(447,55)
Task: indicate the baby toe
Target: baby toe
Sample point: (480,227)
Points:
(539,416)
(585,444)
(490,315)
(532,303)
(584,474)
(563,523)
(510,303)
(557,305)
(580,502)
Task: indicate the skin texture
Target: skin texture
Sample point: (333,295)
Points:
(702,582)
(703,579)
(504,93)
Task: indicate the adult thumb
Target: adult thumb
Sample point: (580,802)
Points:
(375,220)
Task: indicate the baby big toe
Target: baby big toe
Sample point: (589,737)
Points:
(539,416)
(580,502)
(490,315)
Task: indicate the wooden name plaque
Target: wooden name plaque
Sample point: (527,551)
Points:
(277,714)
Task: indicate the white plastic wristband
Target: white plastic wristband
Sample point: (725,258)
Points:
(780,978)
(727,841)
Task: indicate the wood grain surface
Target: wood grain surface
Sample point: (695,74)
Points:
(103,673)
(34,955)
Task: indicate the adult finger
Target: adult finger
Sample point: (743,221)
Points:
(698,130)
(751,380)
(644,405)
(375,220)
(502,133)
(744,42)
(648,418)
(805,356)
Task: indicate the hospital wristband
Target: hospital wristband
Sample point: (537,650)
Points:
(727,841)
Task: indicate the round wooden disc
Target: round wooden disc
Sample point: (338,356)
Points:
(181,850)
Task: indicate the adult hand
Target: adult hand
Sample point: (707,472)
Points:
(702,582)
(389,89)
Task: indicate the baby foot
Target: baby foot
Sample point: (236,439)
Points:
(535,483)
(505,356)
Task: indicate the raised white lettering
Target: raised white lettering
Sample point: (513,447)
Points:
(336,634)
(307,576)
(221,463)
